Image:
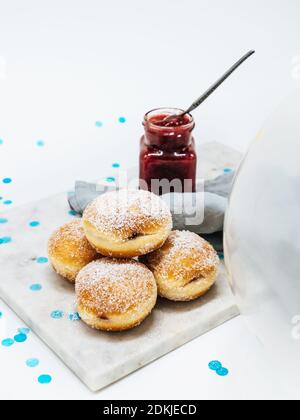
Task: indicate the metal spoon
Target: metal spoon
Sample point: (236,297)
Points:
(210,90)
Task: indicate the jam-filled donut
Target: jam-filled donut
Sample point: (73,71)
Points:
(115,294)
(127,223)
(69,250)
(185,267)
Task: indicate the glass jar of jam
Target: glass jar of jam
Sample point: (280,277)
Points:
(168,160)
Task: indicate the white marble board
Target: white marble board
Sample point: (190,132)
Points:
(98,358)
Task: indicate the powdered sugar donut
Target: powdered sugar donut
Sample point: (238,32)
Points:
(115,294)
(69,250)
(185,267)
(127,223)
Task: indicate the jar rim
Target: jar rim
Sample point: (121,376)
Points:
(171,111)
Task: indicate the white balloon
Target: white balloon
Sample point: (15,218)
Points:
(262,238)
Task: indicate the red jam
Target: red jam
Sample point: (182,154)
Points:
(168,158)
(162,120)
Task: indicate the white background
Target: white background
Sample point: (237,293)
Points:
(66,64)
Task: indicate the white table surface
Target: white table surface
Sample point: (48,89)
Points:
(65,65)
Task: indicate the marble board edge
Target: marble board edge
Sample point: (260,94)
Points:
(96,383)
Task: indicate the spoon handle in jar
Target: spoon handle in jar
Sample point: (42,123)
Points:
(210,90)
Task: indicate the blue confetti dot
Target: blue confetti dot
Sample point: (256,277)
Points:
(40,143)
(44,379)
(215,365)
(20,338)
(73,213)
(7,202)
(1,141)
(32,362)
(221,255)
(1,198)
(110,179)
(74,316)
(1,314)
(57,314)
(34,223)
(116,165)
(227,170)
(2,220)
(36,287)
(6,180)
(122,120)
(7,342)
(222,371)
(24,330)
(98,124)
(42,260)
(5,240)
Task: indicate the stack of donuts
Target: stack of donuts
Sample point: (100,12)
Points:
(123,253)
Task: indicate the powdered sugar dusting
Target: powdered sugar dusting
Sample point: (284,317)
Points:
(70,239)
(127,212)
(108,286)
(183,252)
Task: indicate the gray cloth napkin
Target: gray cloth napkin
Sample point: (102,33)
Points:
(213,203)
